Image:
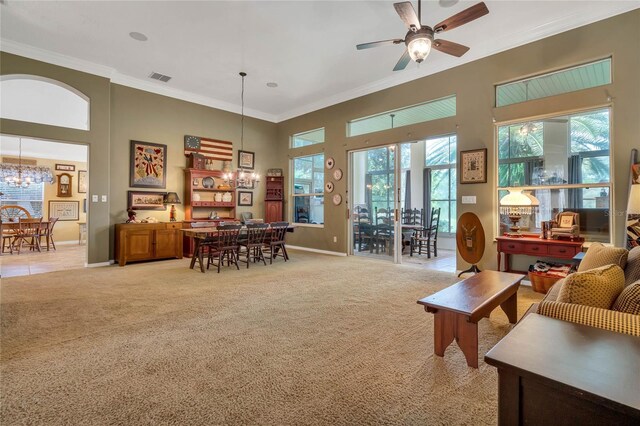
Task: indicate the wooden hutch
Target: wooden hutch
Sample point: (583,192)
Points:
(274,199)
(208,198)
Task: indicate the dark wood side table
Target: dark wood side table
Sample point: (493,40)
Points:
(559,373)
(534,246)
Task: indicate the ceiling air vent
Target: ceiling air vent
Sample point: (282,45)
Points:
(161,77)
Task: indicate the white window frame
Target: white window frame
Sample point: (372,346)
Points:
(311,194)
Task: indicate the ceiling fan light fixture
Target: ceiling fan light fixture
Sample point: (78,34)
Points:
(419,48)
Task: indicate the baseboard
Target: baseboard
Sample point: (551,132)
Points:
(68,243)
(330,253)
(99,264)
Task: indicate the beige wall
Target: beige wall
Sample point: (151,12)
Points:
(473,84)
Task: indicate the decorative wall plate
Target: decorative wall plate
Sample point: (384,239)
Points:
(337,199)
(337,174)
(329,163)
(208,182)
(328,187)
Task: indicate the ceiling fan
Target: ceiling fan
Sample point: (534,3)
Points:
(420,38)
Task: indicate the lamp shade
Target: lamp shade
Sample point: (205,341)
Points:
(516,198)
(634,200)
(171,198)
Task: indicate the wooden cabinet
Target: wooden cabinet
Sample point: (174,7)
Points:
(206,193)
(147,241)
(274,199)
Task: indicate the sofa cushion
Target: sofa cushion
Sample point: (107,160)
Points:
(552,294)
(629,300)
(600,255)
(597,287)
(620,322)
(632,270)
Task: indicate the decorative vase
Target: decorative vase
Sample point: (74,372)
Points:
(218,197)
(196,197)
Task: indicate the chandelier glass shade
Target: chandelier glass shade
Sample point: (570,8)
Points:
(18,175)
(419,48)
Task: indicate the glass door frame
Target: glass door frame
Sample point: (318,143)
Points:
(397,180)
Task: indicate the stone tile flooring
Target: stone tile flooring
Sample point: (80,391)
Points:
(67,256)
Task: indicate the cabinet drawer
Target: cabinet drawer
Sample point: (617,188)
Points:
(511,247)
(536,249)
(174,225)
(562,252)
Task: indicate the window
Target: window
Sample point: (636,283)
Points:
(568,80)
(30,198)
(565,162)
(307,138)
(308,189)
(441,156)
(41,100)
(432,110)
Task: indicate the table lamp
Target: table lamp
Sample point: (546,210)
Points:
(515,204)
(173,199)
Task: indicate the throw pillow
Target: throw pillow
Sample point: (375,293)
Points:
(597,287)
(600,255)
(629,299)
(552,294)
(632,271)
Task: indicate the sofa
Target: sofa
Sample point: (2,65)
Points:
(603,293)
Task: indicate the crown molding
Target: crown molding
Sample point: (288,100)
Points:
(114,76)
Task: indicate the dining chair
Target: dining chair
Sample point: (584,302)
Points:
(253,243)
(384,239)
(29,234)
(7,236)
(366,237)
(202,244)
(274,242)
(428,236)
(226,247)
(47,232)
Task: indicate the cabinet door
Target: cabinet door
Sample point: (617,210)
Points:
(138,244)
(273,211)
(166,243)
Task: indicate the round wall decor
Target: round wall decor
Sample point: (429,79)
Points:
(337,174)
(337,199)
(328,187)
(329,163)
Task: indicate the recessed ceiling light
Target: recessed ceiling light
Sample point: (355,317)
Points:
(138,36)
(272,84)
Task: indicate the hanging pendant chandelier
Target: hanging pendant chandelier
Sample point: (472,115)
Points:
(23,176)
(243,179)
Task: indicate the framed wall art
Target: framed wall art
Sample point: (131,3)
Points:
(245,198)
(146,200)
(64,210)
(82,181)
(246,159)
(148,165)
(66,167)
(473,166)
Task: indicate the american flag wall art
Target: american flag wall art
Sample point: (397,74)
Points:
(211,149)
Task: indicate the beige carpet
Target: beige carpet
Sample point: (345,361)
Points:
(318,340)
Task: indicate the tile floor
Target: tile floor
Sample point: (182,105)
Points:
(446,260)
(71,256)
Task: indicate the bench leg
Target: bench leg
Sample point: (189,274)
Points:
(444,331)
(449,326)
(510,307)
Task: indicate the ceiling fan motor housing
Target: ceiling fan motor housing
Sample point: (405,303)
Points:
(422,50)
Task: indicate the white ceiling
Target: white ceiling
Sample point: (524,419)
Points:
(307,47)
(39,148)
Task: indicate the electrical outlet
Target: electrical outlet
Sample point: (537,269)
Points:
(335,239)
(94,198)
(468,199)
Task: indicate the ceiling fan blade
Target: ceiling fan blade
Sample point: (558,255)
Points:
(379,43)
(467,15)
(403,62)
(450,47)
(408,15)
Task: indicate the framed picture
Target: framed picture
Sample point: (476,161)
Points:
(245,198)
(148,165)
(64,210)
(66,167)
(473,166)
(82,181)
(146,200)
(64,185)
(246,160)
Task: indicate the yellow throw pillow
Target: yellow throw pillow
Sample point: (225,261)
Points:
(629,299)
(596,287)
(600,255)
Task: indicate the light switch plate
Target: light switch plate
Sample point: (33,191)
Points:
(94,198)
(104,198)
(468,199)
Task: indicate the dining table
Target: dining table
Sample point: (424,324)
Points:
(12,227)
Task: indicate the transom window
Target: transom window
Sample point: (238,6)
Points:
(307,138)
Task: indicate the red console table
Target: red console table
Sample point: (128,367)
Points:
(533,246)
